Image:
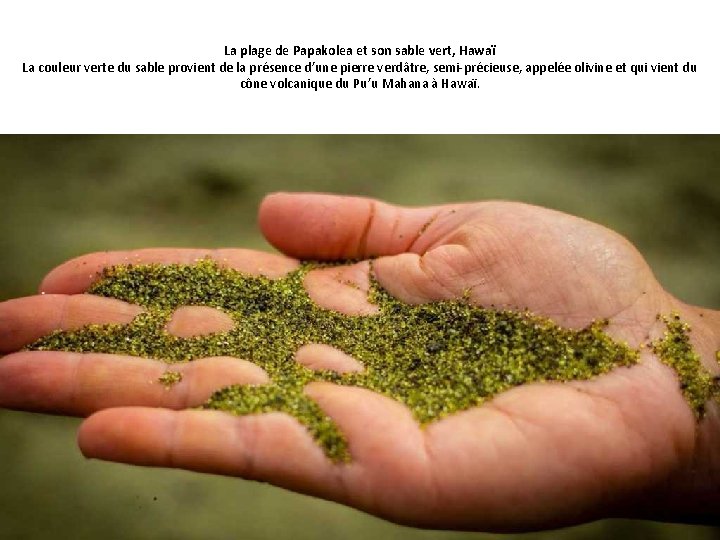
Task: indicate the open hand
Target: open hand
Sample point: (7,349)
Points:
(540,455)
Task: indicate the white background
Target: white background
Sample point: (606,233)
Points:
(524,31)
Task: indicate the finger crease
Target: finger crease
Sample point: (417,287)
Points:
(434,481)
(172,449)
(75,384)
(183,390)
(64,307)
(362,242)
(247,434)
(422,231)
(433,278)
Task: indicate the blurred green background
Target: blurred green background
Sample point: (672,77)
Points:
(65,195)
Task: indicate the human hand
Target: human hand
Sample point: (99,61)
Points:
(539,455)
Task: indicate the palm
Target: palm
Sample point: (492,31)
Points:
(537,455)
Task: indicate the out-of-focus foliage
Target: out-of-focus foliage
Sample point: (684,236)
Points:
(64,196)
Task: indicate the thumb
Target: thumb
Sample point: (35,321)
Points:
(322,226)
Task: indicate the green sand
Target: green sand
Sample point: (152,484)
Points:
(170,379)
(675,350)
(436,358)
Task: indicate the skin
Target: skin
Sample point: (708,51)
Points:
(543,455)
